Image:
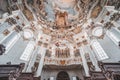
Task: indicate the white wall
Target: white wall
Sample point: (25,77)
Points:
(112,50)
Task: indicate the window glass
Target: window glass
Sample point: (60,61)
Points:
(99,51)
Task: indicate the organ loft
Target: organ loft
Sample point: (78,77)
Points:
(59,39)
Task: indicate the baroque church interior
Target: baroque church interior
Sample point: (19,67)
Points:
(59,39)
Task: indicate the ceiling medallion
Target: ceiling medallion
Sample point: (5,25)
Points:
(97,31)
(28,34)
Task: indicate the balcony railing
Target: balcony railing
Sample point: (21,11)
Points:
(62,62)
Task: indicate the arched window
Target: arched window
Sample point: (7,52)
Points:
(100,53)
(28,51)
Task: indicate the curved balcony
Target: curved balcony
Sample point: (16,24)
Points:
(62,61)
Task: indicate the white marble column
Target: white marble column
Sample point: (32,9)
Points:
(41,62)
(10,40)
(74,78)
(93,59)
(51,78)
(32,60)
(53,51)
(71,51)
(84,62)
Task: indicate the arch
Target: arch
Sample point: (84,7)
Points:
(63,75)
(78,78)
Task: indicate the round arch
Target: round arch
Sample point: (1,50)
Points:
(63,75)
